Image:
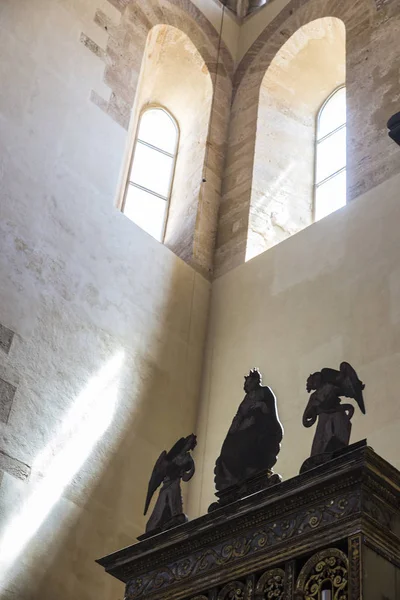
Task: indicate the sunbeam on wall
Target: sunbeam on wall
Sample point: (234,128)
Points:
(55,467)
(304,72)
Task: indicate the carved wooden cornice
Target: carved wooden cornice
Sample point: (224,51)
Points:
(358,491)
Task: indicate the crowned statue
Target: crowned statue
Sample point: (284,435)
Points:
(254,437)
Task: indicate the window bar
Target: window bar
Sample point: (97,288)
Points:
(155,148)
(141,187)
(327,135)
(331,176)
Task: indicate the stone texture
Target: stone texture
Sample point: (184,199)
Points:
(372,71)
(192,235)
(7,393)
(14,467)
(92,46)
(110,322)
(301,76)
(174,75)
(6,338)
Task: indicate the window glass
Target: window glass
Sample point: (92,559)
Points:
(331,156)
(152,169)
(146,210)
(330,196)
(333,113)
(330,176)
(157,128)
(148,188)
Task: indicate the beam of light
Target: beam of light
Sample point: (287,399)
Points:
(254,249)
(56,466)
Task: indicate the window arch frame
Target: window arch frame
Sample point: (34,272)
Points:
(318,141)
(126,180)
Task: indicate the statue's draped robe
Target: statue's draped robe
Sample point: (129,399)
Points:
(333,432)
(334,425)
(168,505)
(169,502)
(253,440)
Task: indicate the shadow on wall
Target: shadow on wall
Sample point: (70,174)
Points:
(55,540)
(304,72)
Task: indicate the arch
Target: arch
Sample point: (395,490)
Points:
(304,71)
(235,205)
(174,75)
(123,57)
(327,566)
(146,200)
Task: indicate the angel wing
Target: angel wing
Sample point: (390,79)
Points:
(157,476)
(176,449)
(350,385)
(330,375)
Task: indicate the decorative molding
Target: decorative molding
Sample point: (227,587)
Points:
(271,585)
(235,590)
(256,540)
(241,542)
(290,578)
(331,565)
(355,567)
(250,583)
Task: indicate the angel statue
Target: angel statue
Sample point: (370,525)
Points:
(334,419)
(169,469)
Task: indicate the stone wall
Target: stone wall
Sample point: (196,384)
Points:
(372,79)
(175,76)
(123,57)
(101,335)
(305,71)
(329,294)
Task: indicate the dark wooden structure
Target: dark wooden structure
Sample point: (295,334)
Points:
(335,527)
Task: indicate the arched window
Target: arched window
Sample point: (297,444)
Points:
(330,181)
(149,182)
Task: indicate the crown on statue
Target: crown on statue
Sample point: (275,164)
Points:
(254,374)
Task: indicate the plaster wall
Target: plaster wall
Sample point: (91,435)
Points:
(307,69)
(101,333)
(327,294)
(175,76)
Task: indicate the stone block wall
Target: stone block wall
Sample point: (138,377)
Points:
(303,74)
(191,239)
(372,79)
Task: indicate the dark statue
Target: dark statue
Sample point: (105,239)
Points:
(394,128)
(169,469)
(334,419)
(253,441)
